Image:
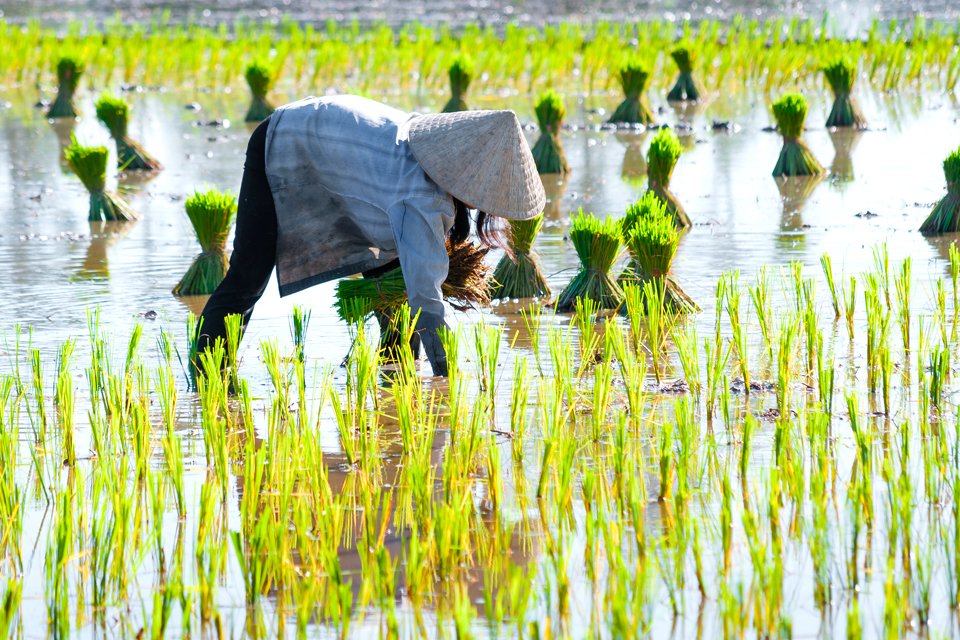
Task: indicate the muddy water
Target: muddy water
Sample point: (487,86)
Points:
(57,265)
(849,16)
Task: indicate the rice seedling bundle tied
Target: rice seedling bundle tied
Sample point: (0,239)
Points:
(465,286)
(945,217)
(634,109)
(520,275)
(795,159)
(652,238)
(68,77)
(461,74)
(665,150)
(548,152)
(90,165)
(115,115)
(686,87)
(211,213)
(846,112)
(260,79)
(598,245)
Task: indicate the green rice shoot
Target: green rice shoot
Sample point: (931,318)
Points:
(846,112)
(260,78)
(90,165)
(548,152)
(519,274)
(114,113)
(662,156)
(686,88)
(69,70)
(652,238)
(796,159)
(211,213)
(634,77)
(461,74)
(945,216)
(598,245)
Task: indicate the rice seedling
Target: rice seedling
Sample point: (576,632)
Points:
(519,273)
(114,113)
(461,74)
(686,88)
(945,216)
(548,151)
(665,149)
(635,108)
(466,286)
(598,246)
(845,112)
(790,112)
(90,165)
(69,70)
(299,322)
(260,78)
(211,213)
(651,237)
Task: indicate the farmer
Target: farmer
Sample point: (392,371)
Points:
(341,185)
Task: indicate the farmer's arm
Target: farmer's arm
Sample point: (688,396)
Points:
(421,231)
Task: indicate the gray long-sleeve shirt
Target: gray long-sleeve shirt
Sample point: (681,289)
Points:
(350,196)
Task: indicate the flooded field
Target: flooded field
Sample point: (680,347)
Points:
(576,477)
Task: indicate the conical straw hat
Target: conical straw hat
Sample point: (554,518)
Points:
(482,159)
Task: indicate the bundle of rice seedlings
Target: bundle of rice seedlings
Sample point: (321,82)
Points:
(598,246)
(665,150)
(686,89)
(652,238)
(114,113)
(465,287)
(547,152)
(211,213)
(90,165)
(461,74)
(795,159)
(69,70)
(260,79)
(845,112)
(945,217)
(520,275)
(634,109)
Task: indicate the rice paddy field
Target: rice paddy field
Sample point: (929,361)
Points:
(780,459)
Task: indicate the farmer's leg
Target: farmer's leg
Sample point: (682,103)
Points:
(254,248)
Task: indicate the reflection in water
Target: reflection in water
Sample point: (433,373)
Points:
(63,128)
(794,192)
(634,168)
(844,142)
(941,244)
(686,112)
(103,235)
(194,303)
(555,185)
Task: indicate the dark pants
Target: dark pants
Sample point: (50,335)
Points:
(254,249)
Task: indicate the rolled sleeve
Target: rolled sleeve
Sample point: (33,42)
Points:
(420,227)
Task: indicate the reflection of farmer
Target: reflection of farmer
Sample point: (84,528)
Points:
(341,185)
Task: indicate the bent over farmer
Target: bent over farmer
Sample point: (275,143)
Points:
(341,185)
